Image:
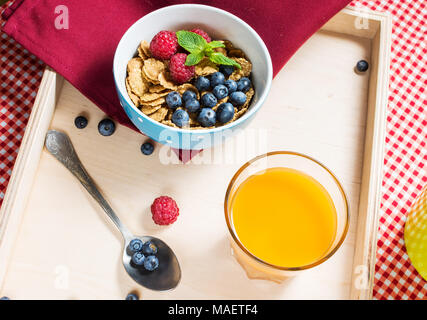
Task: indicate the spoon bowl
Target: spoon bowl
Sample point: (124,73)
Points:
(165,277)
(168,273)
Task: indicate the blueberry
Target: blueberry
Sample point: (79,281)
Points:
(147,148)
(80,122)
(192,105)
(225,112)
(244,84)
(220,91)
(4,298)
(149,248)
(231,86)
(181,118)
(216,79)
(226,70)
(238,98)
(138,259)
(132,296)
(173,100)
(151,263)
(106,127)
(362,65)
(209,100)
(207,117)
(202,84)
(187,95)
(135,245)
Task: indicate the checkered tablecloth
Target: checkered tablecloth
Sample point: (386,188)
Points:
(406,152)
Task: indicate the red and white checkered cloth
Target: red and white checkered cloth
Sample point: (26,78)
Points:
(406,152)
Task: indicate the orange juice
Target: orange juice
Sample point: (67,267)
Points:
(284,217)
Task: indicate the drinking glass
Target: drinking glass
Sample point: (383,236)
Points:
(255,267)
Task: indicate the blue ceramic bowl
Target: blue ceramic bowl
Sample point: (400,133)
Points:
(220,25)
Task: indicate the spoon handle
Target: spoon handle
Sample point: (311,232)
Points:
(60,146)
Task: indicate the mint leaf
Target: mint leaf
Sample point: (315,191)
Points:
(219,58)
(194,58)
(208,51)
(191,41)
(216,44)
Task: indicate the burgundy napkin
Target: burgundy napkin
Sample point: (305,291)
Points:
(83,53)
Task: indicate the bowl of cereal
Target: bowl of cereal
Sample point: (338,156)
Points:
(190,75)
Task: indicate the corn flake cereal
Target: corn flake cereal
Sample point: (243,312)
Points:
(157,89)
(152,68)
(160,114)
(132,96)
(169,123)
(147,109)
(205,67)
(244,72)
(150,97)
(165,81)
(136,82)
(144,50)
(237,53)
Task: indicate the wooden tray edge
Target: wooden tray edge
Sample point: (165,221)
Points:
(364,260)
(25,168)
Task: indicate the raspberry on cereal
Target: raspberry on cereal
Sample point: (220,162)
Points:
(164,45)
(202,33)
(180,73)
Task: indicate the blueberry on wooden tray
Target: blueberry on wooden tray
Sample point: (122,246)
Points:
(106,127)
(80,122)
(362,66)
(132,296)
(147,148)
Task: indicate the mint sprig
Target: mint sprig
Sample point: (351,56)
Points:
(199,48)
(194,58)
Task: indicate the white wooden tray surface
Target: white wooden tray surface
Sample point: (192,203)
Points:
(55,243)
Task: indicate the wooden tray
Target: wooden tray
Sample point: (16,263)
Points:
(56,243)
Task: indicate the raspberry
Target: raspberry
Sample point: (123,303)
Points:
(202,33)
(164,210)
(180,73)
(164,45)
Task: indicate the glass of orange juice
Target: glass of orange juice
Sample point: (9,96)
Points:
(286,212)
